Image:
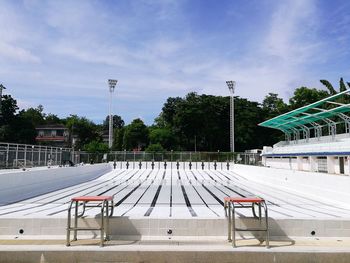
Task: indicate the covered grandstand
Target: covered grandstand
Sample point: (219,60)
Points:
(317,137)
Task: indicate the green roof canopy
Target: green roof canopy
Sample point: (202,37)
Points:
(321,111)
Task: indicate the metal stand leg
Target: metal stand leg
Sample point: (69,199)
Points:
(229,236)
(102,224)
(260,213)
(233,226)
(107,222)
(68,225)
(267,227)
(76,221)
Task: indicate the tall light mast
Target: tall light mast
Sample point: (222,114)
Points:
(111,83)
(231,86)
(1,88)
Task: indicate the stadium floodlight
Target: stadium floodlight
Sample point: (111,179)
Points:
(231,86)
(1,88)
(111,83)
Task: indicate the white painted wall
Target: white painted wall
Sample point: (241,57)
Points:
(19,185)
(318,185)
(283,163)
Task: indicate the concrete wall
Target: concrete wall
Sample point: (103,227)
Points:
(20,185)
(318,185)
(283,163)
(291,163)
(126,228)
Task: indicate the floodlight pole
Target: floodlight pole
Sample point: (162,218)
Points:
(231,86)
(1,88)
(111,84)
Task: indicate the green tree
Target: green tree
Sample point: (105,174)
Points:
(21,130)
(155,147)
(118,139)
(136,135)
(342,86)
(329,86)
(162,136)
(304,96)
(170,109)
(85,130)
(118,122)
(36,115)
(14,127)
(96,147)
(52,119)
(8,109)
(274,105)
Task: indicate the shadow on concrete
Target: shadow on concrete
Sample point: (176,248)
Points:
(278,238)
(121,228)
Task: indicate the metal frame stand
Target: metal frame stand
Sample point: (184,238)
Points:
(107,207)
(245,202)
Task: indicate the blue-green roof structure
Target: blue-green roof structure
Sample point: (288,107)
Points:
(326,112)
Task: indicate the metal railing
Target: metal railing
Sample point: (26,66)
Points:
(241,158)
(25,155)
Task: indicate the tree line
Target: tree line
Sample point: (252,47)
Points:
(191,123)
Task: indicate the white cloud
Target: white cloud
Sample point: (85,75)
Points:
(17,53)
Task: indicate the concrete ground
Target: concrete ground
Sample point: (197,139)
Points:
(53,249)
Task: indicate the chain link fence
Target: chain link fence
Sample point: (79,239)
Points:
(24,155)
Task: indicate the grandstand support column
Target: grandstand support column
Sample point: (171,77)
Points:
(330,164)
(300,163)
(313,163)
(348,173)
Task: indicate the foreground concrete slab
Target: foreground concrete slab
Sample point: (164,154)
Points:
(175,250)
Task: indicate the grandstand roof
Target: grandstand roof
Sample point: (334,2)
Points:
(322,110)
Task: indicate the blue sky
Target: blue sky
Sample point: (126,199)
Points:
(61,53)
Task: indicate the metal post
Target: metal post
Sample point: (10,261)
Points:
(61,156)
(39,156)
(32,155)
(7,155)
(51,156)
(45,160)
(17,156)
(56,156)
(25,156)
